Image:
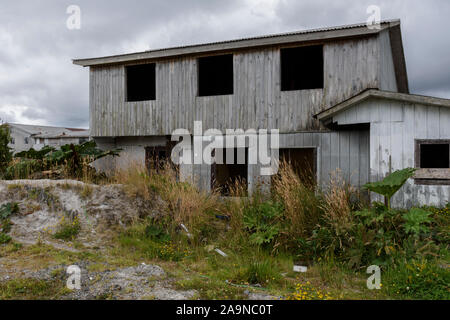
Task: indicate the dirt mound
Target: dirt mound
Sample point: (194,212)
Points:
(44,203)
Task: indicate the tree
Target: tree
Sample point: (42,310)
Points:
(5,150)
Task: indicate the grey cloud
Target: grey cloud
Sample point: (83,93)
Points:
(36,48)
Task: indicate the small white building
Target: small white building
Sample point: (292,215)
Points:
(24,137)
(406,130)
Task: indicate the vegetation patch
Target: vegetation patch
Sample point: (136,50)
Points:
(305,291)
(31,289)
(68,228)
(6,210)
(418,279)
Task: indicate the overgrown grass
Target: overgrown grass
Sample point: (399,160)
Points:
(31,289)
(418,279)
(332,230)
(260,272)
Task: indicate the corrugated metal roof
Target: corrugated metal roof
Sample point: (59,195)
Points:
(182,50)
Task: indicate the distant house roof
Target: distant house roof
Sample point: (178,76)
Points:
(388,95)
(51,132)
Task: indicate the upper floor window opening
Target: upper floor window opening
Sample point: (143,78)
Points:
(215,75)
(302,68)
(140,82)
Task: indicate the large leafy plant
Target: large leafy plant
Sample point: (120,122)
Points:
(261,220)
(74,157)
(8,209)
(390,184)
(416,221)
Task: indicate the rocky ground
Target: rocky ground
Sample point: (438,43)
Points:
(102,211)
(42,204)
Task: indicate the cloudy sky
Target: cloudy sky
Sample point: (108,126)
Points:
(40,85)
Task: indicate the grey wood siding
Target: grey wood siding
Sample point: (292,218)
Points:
(349,67)
(345,153)
(388,80)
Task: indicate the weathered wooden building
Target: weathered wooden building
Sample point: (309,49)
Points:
(338,96)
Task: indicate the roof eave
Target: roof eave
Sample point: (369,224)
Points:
(389,95)
(274,40)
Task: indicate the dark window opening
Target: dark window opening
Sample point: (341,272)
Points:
(224,175)
(155,158)
(141,82)
(303,163)
(158,159)
(434,155)
(302,68)
(215,75)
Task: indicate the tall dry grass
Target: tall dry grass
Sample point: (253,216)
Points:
(182,202)
(302,208)
(338,198)
(135,180)
(305,208)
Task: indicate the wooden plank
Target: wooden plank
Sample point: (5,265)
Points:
(430,173)
(354,152)
(325,159)
(344,154)
(433,123)
(364,154)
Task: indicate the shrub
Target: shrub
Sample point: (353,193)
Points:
(69,160)
(8,209)
(5,150)
(156,233)
(416,220)
(260,272)
(334,233)
(262,221)
(4,238)
(150,240)
(378,235)
(68,229)
(418,279)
